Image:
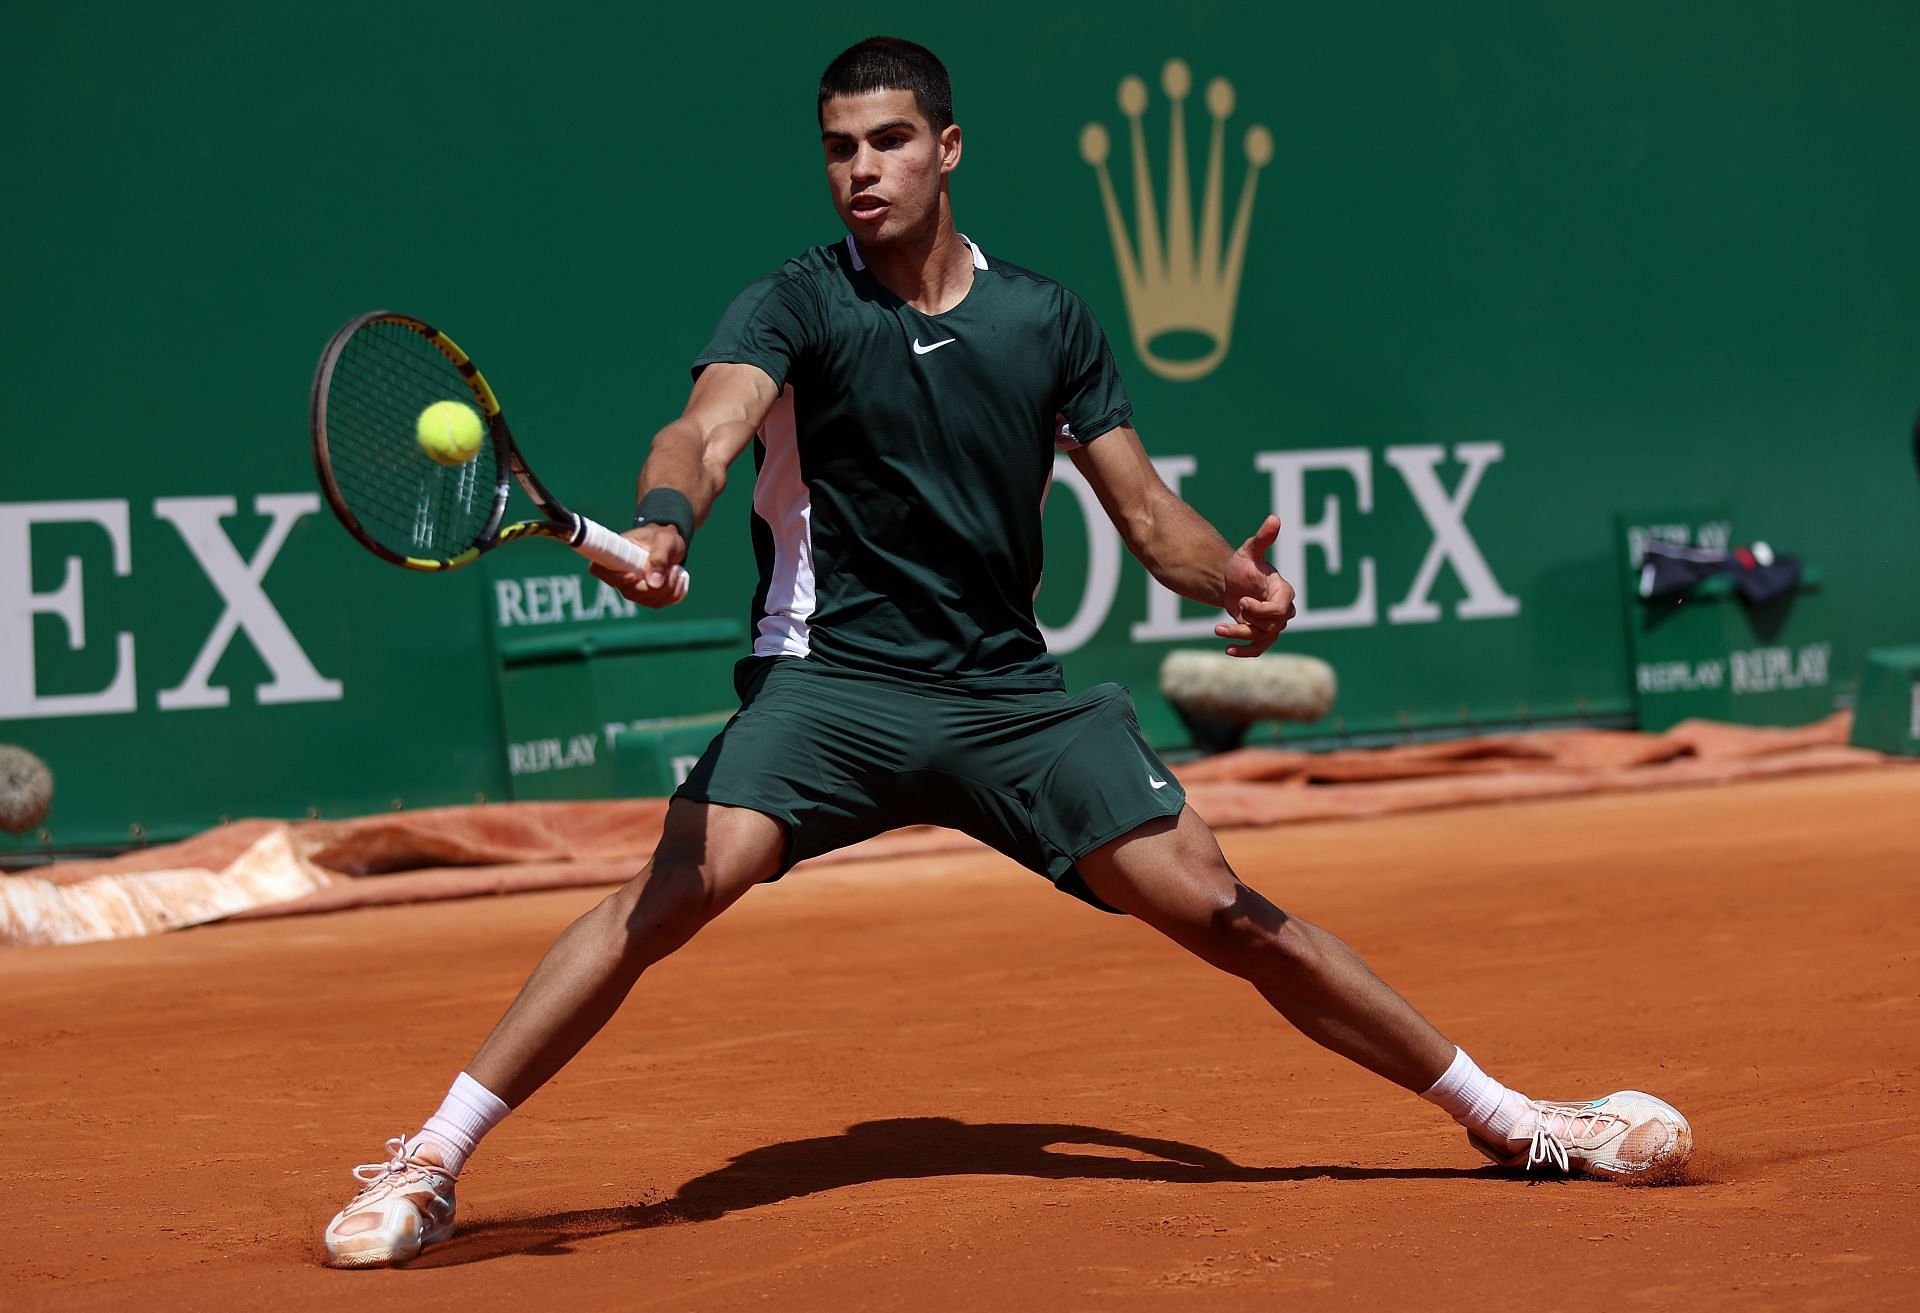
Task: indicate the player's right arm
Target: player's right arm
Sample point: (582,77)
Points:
(728,405)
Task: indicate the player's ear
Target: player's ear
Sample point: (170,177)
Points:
(950,148)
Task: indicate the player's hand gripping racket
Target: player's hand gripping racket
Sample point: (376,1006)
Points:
(421,499)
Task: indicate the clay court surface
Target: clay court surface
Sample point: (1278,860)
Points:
(937,1084)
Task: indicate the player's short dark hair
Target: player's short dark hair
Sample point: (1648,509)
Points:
(888,63)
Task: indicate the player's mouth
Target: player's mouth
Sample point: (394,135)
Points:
(869,209)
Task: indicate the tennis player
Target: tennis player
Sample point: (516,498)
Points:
(905,390)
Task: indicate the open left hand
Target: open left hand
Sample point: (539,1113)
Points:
(1258,599)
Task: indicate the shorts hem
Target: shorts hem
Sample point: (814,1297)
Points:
(1067,878)
(1121,831)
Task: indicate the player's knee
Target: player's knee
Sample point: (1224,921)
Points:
(663,906)
(1251,937)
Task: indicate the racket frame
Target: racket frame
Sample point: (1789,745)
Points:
(589,538)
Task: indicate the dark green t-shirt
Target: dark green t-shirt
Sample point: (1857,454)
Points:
(896,507)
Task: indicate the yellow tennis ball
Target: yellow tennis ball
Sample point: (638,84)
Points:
(450,432)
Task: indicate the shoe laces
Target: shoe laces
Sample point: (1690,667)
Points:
(401,1168)
(1557,1127)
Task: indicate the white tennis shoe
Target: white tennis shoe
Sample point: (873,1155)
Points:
(1625,1136)
(405,1205)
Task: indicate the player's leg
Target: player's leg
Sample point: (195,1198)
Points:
(707,857)
(1102,814)
(1171,874)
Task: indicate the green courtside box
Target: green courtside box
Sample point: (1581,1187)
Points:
(1707,653)
(567,701)
(1887,715)
(581,671)
(652,757)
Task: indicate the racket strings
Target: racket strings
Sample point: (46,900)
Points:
(408,502)
(388,498)
(385,375)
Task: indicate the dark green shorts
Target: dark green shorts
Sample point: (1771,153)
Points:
(840,756)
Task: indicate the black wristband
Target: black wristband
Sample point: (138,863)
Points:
(666,506)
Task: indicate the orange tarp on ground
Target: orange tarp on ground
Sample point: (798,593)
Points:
(272,868)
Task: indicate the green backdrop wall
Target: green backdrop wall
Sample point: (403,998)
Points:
(1507,270)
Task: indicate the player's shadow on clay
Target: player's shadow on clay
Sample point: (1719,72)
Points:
(902,1148)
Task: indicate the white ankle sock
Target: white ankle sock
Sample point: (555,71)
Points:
(469,1111)
(1477,1101)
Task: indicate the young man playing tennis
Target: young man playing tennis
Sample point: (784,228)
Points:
(907,392)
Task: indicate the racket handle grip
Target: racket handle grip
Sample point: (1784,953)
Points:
(603,546)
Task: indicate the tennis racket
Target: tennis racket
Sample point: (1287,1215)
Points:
(375,377)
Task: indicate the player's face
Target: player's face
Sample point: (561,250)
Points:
(885,164)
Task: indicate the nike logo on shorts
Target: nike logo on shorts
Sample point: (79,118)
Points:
(1158,784)
(919,350)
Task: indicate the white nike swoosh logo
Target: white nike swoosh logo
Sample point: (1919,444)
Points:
(1158,784)
(919,350)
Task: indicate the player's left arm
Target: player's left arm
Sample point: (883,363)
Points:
(1183,551)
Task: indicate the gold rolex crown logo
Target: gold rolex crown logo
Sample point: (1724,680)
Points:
(1173,286)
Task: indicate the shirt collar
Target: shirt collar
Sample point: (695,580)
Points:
(979,257)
